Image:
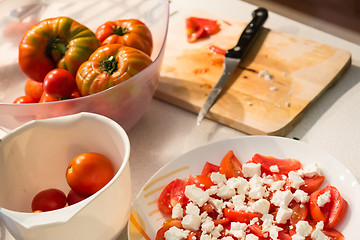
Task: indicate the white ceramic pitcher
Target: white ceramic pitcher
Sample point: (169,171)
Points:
(35,156)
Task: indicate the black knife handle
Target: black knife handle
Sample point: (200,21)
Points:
(249,34)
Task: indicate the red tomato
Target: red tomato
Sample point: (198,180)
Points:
(284,165)
(48,200)
(34,89)
(172,194)
(59,83)
(300,212)
(166,225)
(197,28)
(333,234)
(37,211)
(203,181)
(332,212)
(87,173)
(73,197)
(256,229)
(240,216)
(312,184)
(24,99)
(209,168)
(230,166)
(47,98)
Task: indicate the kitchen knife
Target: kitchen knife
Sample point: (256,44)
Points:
(234,56)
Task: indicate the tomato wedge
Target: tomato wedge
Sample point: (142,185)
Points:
(284,165)
(312,184)
(172,194)
(209,168)
(240,216)
(230,165)
(300,212)
(197,28)
(333,211)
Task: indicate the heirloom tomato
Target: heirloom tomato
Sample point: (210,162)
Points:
(59,42)
(128,32)
(48,200)
(108,66)
(87,173)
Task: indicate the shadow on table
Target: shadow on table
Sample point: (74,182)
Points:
(318,108)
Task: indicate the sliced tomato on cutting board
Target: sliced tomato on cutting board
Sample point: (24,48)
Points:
(197,28)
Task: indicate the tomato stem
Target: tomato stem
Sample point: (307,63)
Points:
(120,31)
(109,65)
(56,48)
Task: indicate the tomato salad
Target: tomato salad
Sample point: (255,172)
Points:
(266,198)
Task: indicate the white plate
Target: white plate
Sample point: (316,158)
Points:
(146,219)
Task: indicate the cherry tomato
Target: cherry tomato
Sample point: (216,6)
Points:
(333,234)
(284,165)
(332,212)
(172,194)
(87,173)
(59,83)
(300,212)
(37,211)
(47,98)
(34,89)
(230,166)
(240,216)
(24,99)
(73,197)
(48,200)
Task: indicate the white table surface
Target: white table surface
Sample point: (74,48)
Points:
(331,124)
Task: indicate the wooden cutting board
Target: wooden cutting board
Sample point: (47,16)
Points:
(298,72)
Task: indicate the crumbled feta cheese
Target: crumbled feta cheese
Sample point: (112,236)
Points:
(177,211)
(303,228)
(282,198)
(268,220)
(192,209)
(312,170)
(238,229)
(320,225)
(265,74)
(226,192)
(254,221)
(257,192)
(317,234)
(277,185)
(239,202)
(208,226)
(274,232)
(323,198)
(218,204)
(301,196)
(295,180)
(251,237)
(273,88)
(297,237)
(218,178)
(196,195)
(191,222)
(283,214)
(205,236)
(274,168)
(217,231)
(175,233)
(212,190)
(262,206)
(227,238)
(251,169)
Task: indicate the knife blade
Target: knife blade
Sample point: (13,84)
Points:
(234,56)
